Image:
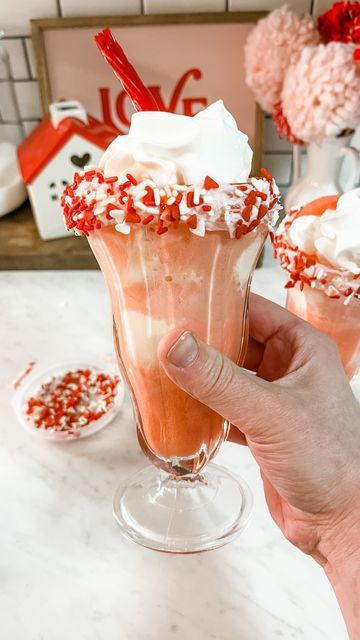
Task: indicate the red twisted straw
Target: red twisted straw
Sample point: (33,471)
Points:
(140,96)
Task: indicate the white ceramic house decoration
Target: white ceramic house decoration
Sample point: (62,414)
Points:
(65,141)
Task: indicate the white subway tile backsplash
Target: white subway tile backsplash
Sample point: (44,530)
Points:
(18,64)
(27,93)
(15,16)
(268,5)
(272,141)
(7,110)
(183,6)
(31,57)
(320,6)
(279,165)
(99,7)
(10,133)
(29,125)
(29,99)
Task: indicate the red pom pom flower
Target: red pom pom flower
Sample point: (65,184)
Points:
(342,24)
(282,124)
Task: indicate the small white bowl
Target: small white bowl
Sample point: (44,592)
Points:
(38,376)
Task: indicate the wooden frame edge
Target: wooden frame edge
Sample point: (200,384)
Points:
(37,36)
(149,19)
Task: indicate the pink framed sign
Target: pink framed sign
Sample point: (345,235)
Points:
(188,61)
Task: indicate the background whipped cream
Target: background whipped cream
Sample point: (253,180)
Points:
(173,149)
(334,236)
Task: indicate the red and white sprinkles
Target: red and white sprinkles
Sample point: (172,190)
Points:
(71,402)
(93,200)
(307,271)
(22,375)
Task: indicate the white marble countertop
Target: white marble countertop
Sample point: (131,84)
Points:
(65,570)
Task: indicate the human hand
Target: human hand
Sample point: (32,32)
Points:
(297,415)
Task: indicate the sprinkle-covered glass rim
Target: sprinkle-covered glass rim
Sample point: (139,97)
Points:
(95,200)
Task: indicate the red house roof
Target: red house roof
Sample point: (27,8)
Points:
(46,140)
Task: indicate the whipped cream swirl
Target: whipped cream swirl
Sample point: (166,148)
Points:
(174,149)
(333,237)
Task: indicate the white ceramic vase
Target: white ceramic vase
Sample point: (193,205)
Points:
(322,176)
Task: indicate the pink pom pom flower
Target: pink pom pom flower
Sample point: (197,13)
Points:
(321,92)
(275,43)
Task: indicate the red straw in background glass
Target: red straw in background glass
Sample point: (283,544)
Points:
(140,96)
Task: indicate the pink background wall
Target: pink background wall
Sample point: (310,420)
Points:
(161,54)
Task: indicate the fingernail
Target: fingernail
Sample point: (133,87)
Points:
(184,351)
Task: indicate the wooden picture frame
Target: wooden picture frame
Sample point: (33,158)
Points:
(45,29)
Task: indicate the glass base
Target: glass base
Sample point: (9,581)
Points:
(189,515)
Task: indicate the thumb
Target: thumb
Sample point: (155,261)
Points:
(206,374)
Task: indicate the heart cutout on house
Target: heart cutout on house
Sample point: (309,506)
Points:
(80,161)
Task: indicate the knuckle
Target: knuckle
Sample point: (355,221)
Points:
(312,339)
(324,345)
(297,533)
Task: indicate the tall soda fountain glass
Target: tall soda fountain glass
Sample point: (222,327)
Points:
(155,284)
(319,246)
(341,322)
(177,247)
